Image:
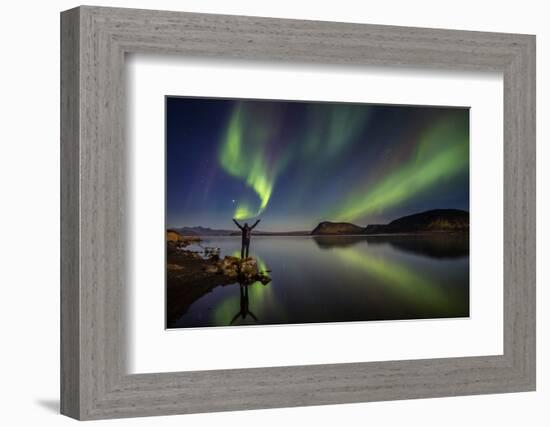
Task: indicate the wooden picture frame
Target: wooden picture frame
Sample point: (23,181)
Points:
(94,382)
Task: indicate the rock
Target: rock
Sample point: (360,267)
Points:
(212,268)
(213,254)
(231,274)
(230,261)
(263,278)
(230,266)
(227,269)
(233,269)
(249,268)
(173,236)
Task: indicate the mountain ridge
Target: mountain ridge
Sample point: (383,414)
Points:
(434,220)
(430,221)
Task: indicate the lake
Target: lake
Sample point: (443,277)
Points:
(339,279)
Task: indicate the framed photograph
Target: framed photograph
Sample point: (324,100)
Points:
(295,165)
(262,213)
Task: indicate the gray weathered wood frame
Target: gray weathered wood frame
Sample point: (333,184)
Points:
(94,41)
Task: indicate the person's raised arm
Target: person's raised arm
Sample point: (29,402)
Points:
(255,224)
(237,224)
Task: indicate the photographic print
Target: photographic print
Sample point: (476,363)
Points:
(294,212)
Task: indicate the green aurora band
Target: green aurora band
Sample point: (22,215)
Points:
(252,152)
(399,279)
(251,164)
(442,153)
(329,130)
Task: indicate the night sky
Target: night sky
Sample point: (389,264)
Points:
(294,164)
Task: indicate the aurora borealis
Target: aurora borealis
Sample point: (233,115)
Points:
(294,164)
(244,154)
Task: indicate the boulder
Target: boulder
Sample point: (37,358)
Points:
(235,269)
(214,257)
(230,262)
(263,278)
(249,268)
(231,275)
(212,269)
(173,236)
(230,266)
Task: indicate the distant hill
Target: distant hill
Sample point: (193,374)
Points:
(206,231)
(328,227)
(437,220)
(278,233)
(202,231)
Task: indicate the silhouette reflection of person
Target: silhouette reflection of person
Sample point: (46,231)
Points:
(246,235)
(244,311)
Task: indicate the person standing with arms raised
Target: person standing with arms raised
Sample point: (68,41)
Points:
(246,231)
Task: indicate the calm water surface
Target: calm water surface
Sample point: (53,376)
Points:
(340,278)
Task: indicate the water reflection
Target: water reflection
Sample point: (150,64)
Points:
(333,279)
(435,246)
(244,310)
(420,289)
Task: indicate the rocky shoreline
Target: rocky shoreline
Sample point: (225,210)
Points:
(231,268)
(191,274)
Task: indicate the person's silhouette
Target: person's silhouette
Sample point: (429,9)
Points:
(246,235)
(244,310)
